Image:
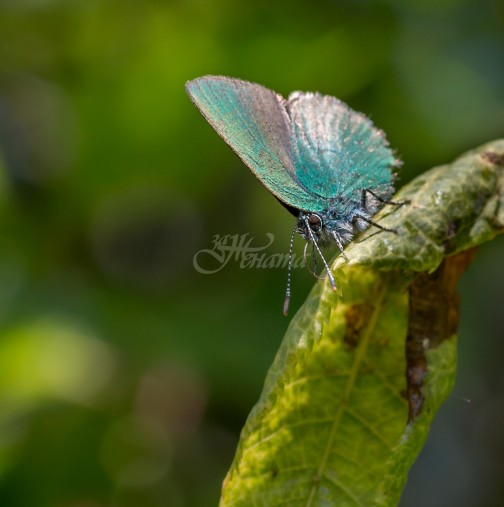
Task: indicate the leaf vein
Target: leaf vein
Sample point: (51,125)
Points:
(358,360)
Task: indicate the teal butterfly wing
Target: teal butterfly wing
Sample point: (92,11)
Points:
(253,121)
(311,151)
(338,152)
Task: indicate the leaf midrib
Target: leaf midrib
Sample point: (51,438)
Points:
(359,358)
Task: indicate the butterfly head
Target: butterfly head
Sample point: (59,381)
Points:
(310,226)
(324,228)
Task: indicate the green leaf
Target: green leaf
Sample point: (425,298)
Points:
(360,374)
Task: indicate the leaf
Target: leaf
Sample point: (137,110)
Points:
(360,374)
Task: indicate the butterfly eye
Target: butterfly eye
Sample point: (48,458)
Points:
(315,222)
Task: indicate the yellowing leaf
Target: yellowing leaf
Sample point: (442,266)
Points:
(360,374)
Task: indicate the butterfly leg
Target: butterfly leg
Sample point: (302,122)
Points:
(337,239)
(369,221)
(314,258)
(313,240)
(366,191)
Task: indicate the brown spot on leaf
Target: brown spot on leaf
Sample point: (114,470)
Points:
(356,318)
(433,318)
(493,158)
(451,232)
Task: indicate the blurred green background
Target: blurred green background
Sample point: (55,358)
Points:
(126,375)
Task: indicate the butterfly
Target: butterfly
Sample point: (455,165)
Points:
(327,164)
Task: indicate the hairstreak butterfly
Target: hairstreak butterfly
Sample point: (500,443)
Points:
(327,164)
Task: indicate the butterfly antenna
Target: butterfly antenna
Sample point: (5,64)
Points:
(289,271)
(329,272)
